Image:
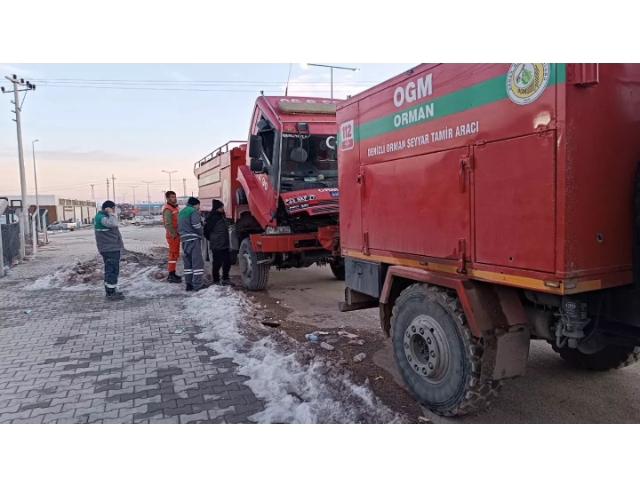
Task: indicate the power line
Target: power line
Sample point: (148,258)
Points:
(149,88)
(229,82)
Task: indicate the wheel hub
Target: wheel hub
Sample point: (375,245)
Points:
(426,349)
(245,265)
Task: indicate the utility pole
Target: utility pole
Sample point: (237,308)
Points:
(184,187)
(113,179)
(169,173)
(331,68)
(134,194)
(148,195)
(107,188)
(24,214)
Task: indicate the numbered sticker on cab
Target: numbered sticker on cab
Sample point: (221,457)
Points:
(347,140)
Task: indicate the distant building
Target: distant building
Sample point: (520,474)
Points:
(60,209)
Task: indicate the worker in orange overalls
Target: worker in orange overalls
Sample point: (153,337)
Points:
(170,219)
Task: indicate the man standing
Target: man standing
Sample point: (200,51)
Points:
(191,232)
(216,230)
(170,218)
(110,243)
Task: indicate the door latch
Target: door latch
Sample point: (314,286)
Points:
(465,165)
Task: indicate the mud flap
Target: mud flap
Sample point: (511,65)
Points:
(505,353)
(353,301)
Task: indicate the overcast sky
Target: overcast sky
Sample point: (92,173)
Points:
(146,121)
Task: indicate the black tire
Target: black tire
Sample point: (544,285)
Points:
(609,358)
(457,390)
(254,276)
(241,197)
(338,270)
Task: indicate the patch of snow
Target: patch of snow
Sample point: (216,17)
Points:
(136,277)
(296,385)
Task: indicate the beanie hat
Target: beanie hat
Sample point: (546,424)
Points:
(193,201)
(108,204)
(216,205)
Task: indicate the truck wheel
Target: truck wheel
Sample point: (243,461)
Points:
(338,270)
(437,356)
(610,357)
(254,276)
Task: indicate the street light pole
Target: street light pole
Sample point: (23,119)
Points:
(169,173)
(35,177)
(331,68)
(134,194)
(148,195)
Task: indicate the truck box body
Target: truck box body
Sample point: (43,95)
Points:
(217,176)
(520,174)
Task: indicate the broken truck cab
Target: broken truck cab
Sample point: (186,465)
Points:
(280,192)
(484,204)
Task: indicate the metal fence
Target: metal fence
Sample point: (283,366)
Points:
(10,242)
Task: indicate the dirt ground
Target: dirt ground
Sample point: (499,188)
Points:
(306,300)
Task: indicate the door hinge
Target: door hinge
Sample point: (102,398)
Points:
(365,249)
(462,249)
(360,178)
(583,74)
(466,164)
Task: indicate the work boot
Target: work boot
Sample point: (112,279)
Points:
(189,287)
(174,278)
(225,282)
(113,294)
(204,286)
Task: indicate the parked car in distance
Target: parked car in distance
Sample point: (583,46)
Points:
(145,220)
(58,225)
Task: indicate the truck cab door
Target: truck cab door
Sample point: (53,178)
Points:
(268,181)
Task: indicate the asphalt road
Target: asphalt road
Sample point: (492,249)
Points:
(550,392)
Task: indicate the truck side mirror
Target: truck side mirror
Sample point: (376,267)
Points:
(255,147)
(256,166)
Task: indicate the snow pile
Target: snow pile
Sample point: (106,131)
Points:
(81,277)
(296,385)
(147,283)
(139,273)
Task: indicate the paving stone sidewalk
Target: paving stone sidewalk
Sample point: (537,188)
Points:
(76,358)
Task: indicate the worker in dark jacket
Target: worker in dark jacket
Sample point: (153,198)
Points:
(191,232)
(110,244)
(216,230)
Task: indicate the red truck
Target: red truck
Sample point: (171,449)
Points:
(127,211)
(279,188)
(482,205)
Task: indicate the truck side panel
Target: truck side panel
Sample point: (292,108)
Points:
(349,175)
(603,151)
(415,136)
(515,202)
(218,179)
(403,220)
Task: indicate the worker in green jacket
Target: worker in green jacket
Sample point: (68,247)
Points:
(191,234)
(110,244)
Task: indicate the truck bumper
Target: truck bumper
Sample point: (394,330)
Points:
(285,243)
